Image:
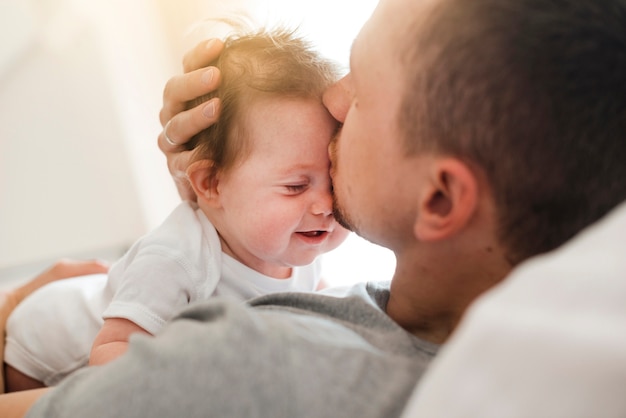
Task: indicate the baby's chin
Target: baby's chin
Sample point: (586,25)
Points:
(335,238)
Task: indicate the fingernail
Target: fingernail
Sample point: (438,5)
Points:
(207,77)
(209,110)
(209,43)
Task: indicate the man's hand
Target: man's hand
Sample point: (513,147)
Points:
(179,124)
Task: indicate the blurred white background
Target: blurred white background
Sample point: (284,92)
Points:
(80,91)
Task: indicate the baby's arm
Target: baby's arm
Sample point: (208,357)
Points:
(112,340)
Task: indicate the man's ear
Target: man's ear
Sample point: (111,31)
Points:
(449,201)
(203,180)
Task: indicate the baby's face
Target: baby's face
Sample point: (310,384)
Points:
(277,202)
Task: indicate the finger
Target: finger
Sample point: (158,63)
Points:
(188,123)
(180,89)
(202,54)
(177,164)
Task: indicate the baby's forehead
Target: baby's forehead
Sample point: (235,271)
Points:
(286,125)
(262,109)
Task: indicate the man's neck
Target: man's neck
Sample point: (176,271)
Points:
(429,302)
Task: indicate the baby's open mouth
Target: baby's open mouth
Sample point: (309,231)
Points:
(312,234)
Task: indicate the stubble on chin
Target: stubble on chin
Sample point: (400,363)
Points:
(340,214)
(338,211)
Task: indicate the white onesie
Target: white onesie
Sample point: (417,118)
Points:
(49,335)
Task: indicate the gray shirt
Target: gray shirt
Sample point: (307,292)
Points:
(284,355)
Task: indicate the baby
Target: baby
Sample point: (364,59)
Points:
(263,215)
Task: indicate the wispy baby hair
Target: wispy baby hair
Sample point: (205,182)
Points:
(264,63)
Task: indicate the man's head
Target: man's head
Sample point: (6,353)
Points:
(528,95)
(534,93)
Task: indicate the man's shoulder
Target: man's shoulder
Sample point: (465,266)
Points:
(303,344)
(359,303)
(293,355)
(356,320)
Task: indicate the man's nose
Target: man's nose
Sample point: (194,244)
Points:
(337,98)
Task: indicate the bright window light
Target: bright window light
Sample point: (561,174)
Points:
(331,24)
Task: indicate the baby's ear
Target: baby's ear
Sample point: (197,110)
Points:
(203,181)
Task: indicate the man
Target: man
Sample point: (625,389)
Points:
(475,135)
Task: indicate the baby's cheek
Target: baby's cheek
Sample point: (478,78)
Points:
(269,233)
(338,236)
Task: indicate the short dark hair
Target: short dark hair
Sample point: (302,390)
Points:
(261,62)
(533,92)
